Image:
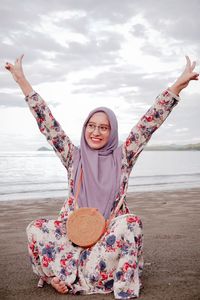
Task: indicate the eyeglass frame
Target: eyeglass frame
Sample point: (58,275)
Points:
(107,127)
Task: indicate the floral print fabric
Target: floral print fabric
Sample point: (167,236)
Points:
(114,263)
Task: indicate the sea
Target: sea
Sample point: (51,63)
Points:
(40,174)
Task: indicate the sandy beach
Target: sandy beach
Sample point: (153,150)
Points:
(171,222)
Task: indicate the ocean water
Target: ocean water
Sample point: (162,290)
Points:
(31,175)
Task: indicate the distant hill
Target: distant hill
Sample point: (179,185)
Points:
(44,149)
(174,147)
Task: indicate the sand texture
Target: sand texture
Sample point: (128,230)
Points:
(171,222)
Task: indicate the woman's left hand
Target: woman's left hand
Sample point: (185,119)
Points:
(187,75)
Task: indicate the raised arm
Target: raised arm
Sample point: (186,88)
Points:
(156,115)
(47,124)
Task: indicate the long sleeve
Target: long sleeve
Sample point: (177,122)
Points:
(51,129)
(147,125)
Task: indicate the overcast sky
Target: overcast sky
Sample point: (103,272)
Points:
(80,54)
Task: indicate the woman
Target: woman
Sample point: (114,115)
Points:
(114,263)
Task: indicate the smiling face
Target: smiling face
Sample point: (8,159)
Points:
(97,131)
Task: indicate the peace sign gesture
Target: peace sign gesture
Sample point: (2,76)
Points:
(18,74)
(187,75)
(16,69)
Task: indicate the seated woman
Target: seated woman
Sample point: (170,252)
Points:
(115,262)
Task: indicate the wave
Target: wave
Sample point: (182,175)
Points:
(164,183)
(20,183)
(146,182)
(40,174)
(165,175)
(32,191)
(132,178)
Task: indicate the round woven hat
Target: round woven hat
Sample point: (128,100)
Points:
(85,226)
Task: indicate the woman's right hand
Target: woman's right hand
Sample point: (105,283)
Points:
(16,70)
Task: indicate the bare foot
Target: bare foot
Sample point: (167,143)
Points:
(59,285)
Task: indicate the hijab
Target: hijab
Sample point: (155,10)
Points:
(101,168)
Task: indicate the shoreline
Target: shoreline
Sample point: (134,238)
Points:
(171,246)
(129,195)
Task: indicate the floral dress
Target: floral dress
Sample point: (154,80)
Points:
(115,262)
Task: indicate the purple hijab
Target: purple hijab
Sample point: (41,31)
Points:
(101,168)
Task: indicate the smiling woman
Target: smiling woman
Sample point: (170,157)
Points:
(115,262)
(97,130)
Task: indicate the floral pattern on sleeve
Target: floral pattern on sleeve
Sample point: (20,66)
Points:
(147,125)
(138,138)
(51,129)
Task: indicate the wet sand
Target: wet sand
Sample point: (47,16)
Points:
(171,222)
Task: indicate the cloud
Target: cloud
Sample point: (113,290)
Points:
(184,129)
(11,100)
(113,50)
(175,19)
(184,115)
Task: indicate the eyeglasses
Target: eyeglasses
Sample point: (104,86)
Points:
(101,128)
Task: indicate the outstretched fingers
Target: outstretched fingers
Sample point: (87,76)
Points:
(190,66)
(188,62)
(190,69)
(193,65)
(19,59)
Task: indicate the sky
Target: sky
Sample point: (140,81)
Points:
(81,54)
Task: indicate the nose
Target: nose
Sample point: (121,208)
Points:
(96,130)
